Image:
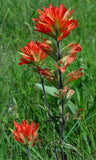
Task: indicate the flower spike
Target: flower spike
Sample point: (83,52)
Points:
(55,22)
(25,133)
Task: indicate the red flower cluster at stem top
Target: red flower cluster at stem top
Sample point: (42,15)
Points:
(25,133)
(55,22)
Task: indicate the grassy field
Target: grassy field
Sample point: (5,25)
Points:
(19,97)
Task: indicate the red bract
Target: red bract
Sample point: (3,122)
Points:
(68,56)
(68,60)
(55,22)
(71,49)
(72,76)
(32,54)
(75,48)
(46,73)
(49,47)
(67,91)
(49,75)
(25,133)
(62,92)
(45,47)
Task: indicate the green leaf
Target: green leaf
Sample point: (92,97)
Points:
(78,94)
(48,89)
(72,107)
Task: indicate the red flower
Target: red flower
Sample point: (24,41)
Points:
(25,133)
(55,22)
(70,93)
(32,54)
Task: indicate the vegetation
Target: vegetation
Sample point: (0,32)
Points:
(20,98)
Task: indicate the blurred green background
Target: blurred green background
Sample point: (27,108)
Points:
(19,97)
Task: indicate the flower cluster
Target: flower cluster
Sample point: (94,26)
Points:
(25,133)
(32,54)
(55,22)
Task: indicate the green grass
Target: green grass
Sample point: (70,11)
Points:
(17,89)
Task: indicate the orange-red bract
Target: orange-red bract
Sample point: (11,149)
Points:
(69,56)
(75,48)
(71,48)
(67,91)
(72,76)
(69,59)
(50,48)
(32,54)
(25,133)
(55,22)
(45,46)
(46,73)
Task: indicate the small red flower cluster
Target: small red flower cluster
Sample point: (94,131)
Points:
(26,133)
(32,54)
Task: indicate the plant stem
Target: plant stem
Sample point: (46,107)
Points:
(49,112)
(29,153)
(62,104)
(46,101)
(55,152)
